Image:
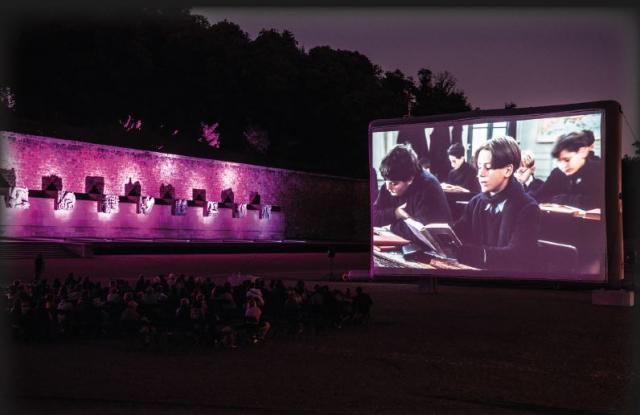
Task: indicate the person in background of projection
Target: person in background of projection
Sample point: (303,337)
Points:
(462,173)
(578,180)
(439,142)
(39,266)
(425,162)
(590,140)
(409,192)
(524,174)
(500,226)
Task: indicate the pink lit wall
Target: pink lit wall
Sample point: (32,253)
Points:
(312,206)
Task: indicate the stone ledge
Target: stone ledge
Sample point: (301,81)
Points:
(624,298)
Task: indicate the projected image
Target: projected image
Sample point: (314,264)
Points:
(516,197)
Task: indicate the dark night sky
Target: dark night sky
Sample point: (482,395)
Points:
(532,57)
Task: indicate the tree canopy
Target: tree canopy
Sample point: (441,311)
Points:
(170,81)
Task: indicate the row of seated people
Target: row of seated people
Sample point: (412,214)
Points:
(573,182)
(182,307)
(500,226)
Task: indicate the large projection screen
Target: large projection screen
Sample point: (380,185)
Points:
(522,194)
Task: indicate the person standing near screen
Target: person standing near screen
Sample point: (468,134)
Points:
(462,173)
(500,226)
(409,192)
(578,180)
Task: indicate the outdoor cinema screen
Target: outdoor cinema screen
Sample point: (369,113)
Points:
(516,194)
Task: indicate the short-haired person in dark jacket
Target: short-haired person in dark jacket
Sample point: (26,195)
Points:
(590,141)
(499,227)
(409,192)
(578,180)
(462,173)
(524,174)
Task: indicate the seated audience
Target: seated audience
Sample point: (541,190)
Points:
(361,306)
(39,311)
(253,315)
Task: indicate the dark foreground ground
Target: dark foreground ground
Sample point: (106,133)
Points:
(466,349)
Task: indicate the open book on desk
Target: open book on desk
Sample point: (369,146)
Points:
(382,236)
(438,238)
(453,188)
(593,214)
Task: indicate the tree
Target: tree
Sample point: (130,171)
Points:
(273,102)
(397,90)
(438,94)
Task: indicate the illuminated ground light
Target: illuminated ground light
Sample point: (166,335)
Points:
(105,217)
(63,215)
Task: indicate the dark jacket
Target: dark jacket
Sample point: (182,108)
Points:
(466,176)
(533,186)
(426,203)
(500,232)
(584,189)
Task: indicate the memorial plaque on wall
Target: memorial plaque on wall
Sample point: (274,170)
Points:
(65,201)
(52,183)
(8,177)
(94,185)
(199,195)
(179,207)
(145,204)
(227,196)
(17,197)
(132,190)
(254,198)
(109,204)
(265,212)
(210,208)
(167,191)
(239,210)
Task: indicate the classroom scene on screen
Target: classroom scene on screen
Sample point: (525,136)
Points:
(510,196)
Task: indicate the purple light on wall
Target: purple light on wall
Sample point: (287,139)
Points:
(229,177)
(63,215)
(124,173)
(301,211)
(105,217)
